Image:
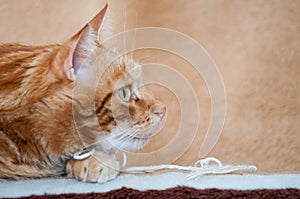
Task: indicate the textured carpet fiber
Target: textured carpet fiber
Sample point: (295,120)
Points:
(166,185)
(181,192)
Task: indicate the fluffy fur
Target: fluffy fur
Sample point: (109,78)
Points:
(45,115)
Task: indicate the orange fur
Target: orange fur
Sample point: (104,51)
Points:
(38,133)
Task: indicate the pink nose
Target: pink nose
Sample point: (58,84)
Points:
(158,110)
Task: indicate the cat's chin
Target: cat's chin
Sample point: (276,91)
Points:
(136,144)
(129,144)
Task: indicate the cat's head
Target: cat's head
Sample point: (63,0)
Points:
(126,113)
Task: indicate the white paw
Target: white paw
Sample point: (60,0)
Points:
(96,168)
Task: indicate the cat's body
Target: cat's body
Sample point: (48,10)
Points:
(31,111)
(39,134)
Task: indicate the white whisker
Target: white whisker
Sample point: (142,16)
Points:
(125,18)
(134,38)
(82,126)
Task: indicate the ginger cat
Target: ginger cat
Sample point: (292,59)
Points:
(39,133)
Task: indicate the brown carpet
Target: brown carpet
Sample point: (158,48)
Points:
(180,192)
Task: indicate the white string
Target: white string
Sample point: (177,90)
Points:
(206,166)
(205,162)
(200,168)
(226,169)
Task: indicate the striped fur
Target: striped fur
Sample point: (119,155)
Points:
(39,133)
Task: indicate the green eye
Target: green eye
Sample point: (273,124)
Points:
(124,94)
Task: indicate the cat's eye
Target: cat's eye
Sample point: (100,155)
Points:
(124,94)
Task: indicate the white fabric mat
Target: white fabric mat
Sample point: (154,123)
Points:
(160,181)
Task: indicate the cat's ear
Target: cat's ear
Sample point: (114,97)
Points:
(77,50)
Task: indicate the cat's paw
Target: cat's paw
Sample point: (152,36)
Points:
(97,168)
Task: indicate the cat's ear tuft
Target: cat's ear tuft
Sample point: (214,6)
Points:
(75,53)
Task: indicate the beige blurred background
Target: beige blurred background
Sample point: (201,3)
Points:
(255,45)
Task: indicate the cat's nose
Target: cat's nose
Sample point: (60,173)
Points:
(158,110)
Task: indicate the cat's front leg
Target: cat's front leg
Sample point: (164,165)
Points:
(99,168)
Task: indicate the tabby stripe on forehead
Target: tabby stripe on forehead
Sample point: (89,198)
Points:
(105,100)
